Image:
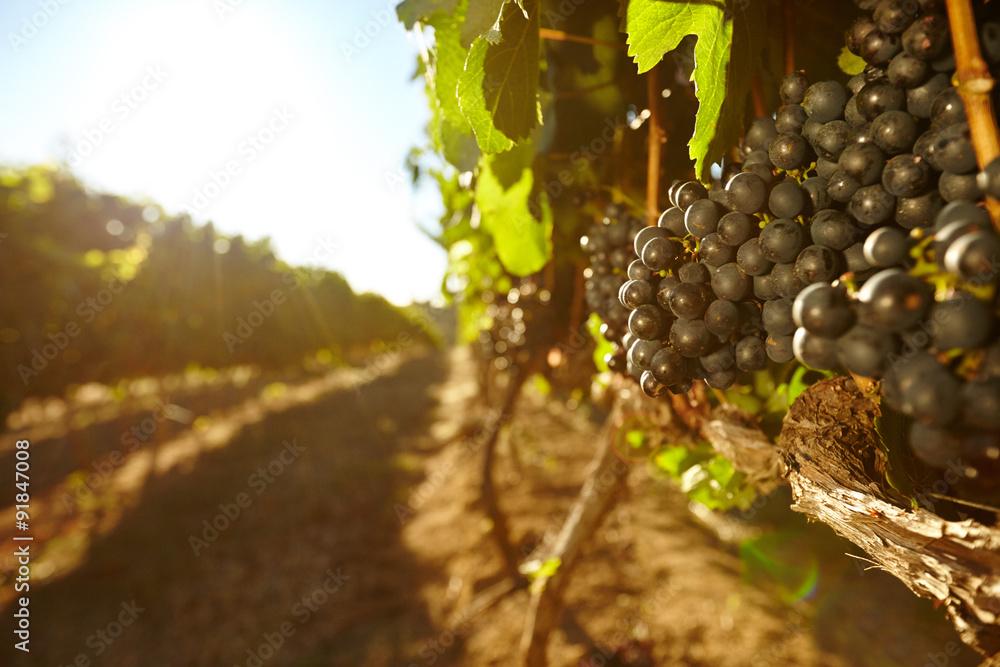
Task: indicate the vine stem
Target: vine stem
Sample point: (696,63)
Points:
(560,36)
(655,141)
(788,19)
(974,86)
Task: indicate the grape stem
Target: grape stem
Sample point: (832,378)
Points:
(974,86)
(655,141)
(560,36)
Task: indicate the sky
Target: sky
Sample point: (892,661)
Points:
(289,119)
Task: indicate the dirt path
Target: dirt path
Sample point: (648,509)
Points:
(359,542)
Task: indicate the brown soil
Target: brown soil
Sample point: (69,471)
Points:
(654,586)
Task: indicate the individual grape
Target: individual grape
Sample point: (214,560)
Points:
(641,352)
(784,281)
(825,168)
(887,247)
(644,236)
(894,131)
(694,272)
(818,196)
(810,130)
(981,404)
(634,293)
(823,310)
(920,99)
(973,256)
(968,213)
(681,387)
(953,149)
(760,133)
(719,360)
(616,361)
(787,151)
(851,113)
(750,353)
(691,338)
(793,88)
(781,240)
(763,289)
(702,218)
(906,175)
(668,366)
(871,205)
(672,220)
(906,71)
(865,351)
(989,178)
(787,199)
(934,445)
(722,318)
(861,134)
(650,386)
(813,351)
(879,48)
(832,139)
(721,379)
(933,398)
(924,147)
(927,38)
(672,192)
(664,290)
(713,252)
(834,229)
(948,109)
(647,322)
(856,83)
(878,97)
(758,156)
(858,31)
(690,192)
(894,16)
(689,300)
(893,300)
(737,228)
(777,317)
(824,101)
(729,282)
(959,187)
(717,193)
(961,322)
(751,320)
(841,186)
(817,263)
(660,253)
(764,173)
(790,118)
(638,271)
(918,212)
(863,162)
(620,258)
(779,348)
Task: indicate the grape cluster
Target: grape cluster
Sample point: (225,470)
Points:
(506,341)
(851,234)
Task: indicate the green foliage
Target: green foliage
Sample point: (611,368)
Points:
(850,63)
(474,105)
(705,476)
(724,62)
(411,11)
(511,97)
(602,346)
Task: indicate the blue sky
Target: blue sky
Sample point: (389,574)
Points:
(283,118)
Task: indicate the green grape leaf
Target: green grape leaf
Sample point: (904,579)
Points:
(411,11)
(510,83)
(655,27)
(448,65)
(523,243)
(850,63)
(472,101)
(482,20)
